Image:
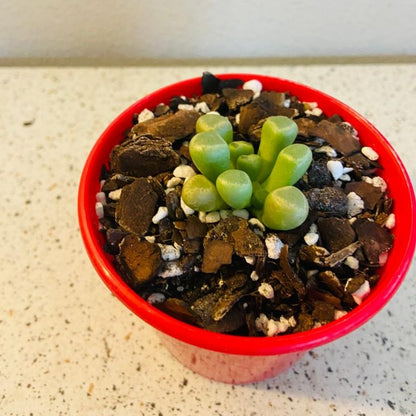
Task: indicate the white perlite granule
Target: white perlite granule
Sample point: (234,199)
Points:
(187,210)
(336,168)
(355,204)
(369,153)
(156,298)
(169,252)
(145,115)
(274,246)
(184,171)
(271,327)
(254,85)
(161,213)
(266,290)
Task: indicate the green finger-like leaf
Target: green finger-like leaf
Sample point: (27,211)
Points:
(200,194)
(292,162)
(251,164)
(215,122)
(277,133)
(239,148)
(235,188)
(210,154)
(285,208)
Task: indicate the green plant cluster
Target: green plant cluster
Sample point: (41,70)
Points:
(234,176)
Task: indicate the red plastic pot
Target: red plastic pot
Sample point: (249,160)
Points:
(237,359)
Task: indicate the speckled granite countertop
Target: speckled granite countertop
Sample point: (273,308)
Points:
(68,347)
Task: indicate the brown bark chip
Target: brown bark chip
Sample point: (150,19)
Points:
(216,253)
(139,259)
(172,127)
(340,139)
(144,156)
(136,207)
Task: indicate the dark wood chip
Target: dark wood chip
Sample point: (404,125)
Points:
(143,156)
(339,256)
(339,138)
(267,104)
(236,98)
(305,125)
(195,228)
(136,207)
(331,282)
(336,233)
(374,239)
(216,254)
(171,127)
(140,260)
(323,312)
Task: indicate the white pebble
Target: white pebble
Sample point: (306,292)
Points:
(150,238)
(172,182)
(355,204)
(328,150)
(286,103)
(339,314)
(212,217)
(345,177)
(310,273)
(361,293)
(314,112)
(382,258)
(225,213)
(100,197)
(99,210)
(145,115)
(311,238)
(156,298)
(336,168)
(266,290)
(202,216)
(169,190)
(369,153)
(183,171)
(254,85)
(271,327)
(250,260)
(313,228)
(242,213)
(202,107)
(352,263)
(161,213)
(380,183)
(254,276)
(170,269)
(187,210)
(255,223)
(274,246)
(390,221)
(237,118)
(169,252)
(115,195)
(186,107)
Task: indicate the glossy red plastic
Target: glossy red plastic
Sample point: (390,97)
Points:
(237,359)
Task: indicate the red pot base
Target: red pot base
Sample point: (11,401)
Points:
(229,368)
